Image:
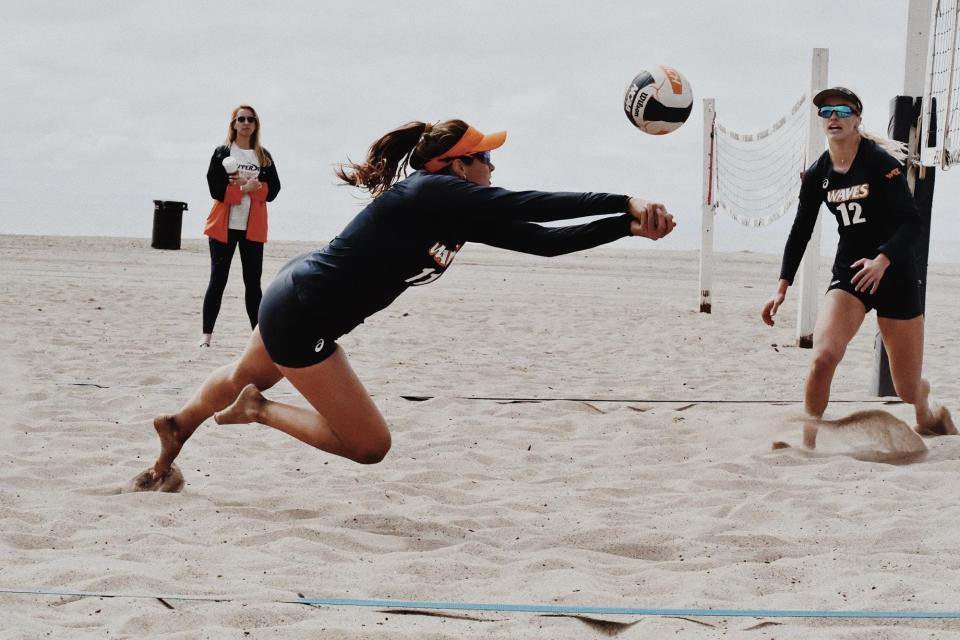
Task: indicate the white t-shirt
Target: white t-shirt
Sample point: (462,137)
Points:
(249,168)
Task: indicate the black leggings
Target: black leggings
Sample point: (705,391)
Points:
(221,255)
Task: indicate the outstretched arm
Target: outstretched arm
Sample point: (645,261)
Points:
(646,219)
(528,237)
(465,204)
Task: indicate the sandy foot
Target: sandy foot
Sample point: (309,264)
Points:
(147,480)
(171,441)
(942,424)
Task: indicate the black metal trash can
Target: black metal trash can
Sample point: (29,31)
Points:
(167,223)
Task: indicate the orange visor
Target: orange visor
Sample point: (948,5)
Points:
(472,141)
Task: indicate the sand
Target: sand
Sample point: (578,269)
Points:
(631,487)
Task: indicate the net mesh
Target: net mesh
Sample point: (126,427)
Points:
(943,86)
(756,177)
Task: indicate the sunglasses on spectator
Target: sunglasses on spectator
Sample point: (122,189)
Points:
(482,156)
(842,111)
(243,119)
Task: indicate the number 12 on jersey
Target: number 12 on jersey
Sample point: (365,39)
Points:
(852,207)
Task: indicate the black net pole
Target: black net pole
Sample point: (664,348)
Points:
(904,115)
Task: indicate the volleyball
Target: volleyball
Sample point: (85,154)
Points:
(658,100)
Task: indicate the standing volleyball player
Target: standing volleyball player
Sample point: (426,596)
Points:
(861,179)
(407,236)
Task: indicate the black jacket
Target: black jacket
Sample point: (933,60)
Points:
(217,178)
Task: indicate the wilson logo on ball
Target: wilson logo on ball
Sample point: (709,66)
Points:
(658,100)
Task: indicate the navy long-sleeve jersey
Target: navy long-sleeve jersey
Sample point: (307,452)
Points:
(873,206)
(410,234)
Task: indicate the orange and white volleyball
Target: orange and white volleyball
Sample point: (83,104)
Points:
(658,100)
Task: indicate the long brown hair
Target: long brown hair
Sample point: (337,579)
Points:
(412,144)
(262,156)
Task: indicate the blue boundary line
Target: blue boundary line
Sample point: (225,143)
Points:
(413,398)
(521,608)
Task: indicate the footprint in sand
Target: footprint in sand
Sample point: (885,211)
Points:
(871,436)
(172,482)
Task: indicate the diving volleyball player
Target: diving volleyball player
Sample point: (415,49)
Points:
(407,236)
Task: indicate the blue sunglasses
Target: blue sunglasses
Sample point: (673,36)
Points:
(842,111)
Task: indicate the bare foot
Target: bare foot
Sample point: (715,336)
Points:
(810,429)
(148,480)
(244,410)
(939,424)
(171,441)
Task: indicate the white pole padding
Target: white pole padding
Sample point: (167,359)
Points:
(706,220)
(816,142)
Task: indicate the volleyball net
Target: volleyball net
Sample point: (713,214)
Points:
(755,177)
(941,95)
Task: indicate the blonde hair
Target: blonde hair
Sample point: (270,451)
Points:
(895,148)
(254,139)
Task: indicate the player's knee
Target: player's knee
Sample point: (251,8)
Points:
(242,372)
(826,360)
(373,451)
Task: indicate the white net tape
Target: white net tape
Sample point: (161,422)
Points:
(943,86)
(756,177)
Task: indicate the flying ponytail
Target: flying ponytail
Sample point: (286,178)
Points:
(412,144)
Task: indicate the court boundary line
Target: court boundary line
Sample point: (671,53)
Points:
(512,608)
(413,398)
(889,400)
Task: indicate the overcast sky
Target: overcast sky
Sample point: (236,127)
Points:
(110,105)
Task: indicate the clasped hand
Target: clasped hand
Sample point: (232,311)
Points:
(651,219)
(246,184)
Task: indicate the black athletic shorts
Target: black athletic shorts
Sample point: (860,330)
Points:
(292,336)
(897,297)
